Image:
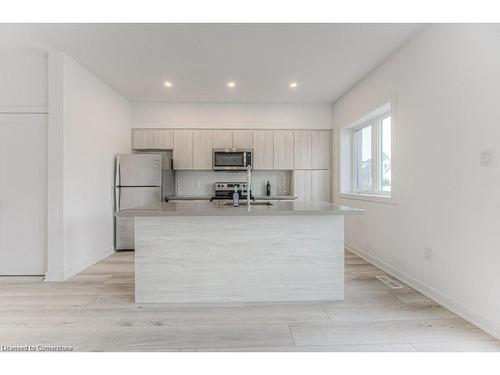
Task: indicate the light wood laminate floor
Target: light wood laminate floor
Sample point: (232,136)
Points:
(95,311)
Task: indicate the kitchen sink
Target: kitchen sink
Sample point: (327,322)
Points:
(265,203)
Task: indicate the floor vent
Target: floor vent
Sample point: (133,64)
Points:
(390,282)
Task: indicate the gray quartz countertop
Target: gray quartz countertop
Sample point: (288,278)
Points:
(206,197)
(219,208)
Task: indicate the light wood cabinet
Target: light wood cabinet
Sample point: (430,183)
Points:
(222,138)
(263,146)
(243,138)
(320,149)
(283,149)
(152,139)
(302,149)
(320,185)
(183,149)
(143,139)
(202,143)
(164,139)
(302,185)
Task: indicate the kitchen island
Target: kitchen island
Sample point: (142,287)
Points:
(209,252)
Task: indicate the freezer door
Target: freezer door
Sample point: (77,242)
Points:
(131,197)
(138,170)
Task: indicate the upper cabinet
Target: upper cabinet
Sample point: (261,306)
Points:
(152,139)
(283,149)
(164,139)
(222,138)
(243,138)
(302,149)
(263,149)
(272,149)
(183,149)
(320,149)
(143,139)
(202,142)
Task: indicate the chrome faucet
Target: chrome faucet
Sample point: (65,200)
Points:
(249,185)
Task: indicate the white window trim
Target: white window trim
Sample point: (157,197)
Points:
(378,114)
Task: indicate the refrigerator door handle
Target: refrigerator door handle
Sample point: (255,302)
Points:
(119,199)
(119,174)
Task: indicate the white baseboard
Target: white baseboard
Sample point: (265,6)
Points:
(490,327)
(54,276)
(77,268)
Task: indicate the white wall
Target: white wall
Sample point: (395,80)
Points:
(231,115)
(446,83)
(23,84)
(95,127)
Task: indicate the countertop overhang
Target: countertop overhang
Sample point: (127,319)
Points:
(206,208)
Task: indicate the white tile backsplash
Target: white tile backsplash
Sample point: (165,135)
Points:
(202,182)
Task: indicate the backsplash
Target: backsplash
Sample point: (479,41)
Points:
(202,182)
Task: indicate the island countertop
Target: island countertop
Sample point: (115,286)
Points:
(206,208)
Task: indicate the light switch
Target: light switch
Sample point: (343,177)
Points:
(486,158)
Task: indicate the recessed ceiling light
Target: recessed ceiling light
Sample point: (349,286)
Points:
(168,84)
(293,85)
(231,84)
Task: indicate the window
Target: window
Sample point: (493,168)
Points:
(371,160)
(367,157)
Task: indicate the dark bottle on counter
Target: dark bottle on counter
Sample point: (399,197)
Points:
(268,189)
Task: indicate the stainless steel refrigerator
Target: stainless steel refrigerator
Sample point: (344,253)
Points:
(138,181)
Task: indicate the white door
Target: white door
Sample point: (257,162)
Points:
(23,192)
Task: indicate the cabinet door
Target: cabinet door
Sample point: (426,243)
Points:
(143,139)
(263,154)
(202,142)
(242,138)
(183,149)
(302,149)
(283,149)
(222,138)
(321,149)
(321,185)
(164,139)
(302,186)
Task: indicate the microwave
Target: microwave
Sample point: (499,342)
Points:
(232,159)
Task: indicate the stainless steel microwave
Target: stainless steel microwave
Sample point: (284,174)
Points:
(232,159)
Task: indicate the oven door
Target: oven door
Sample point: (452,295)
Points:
(229,160)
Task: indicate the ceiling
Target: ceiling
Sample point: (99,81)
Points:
(199,59)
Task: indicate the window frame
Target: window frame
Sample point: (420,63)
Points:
(347,167)
(376,164)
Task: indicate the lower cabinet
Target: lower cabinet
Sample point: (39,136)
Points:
(311,185)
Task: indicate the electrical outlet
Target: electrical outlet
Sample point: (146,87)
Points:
(486,158)
(428,254)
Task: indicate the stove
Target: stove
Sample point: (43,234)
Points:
(225,190)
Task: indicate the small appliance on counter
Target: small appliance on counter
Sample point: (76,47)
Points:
(225,190)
